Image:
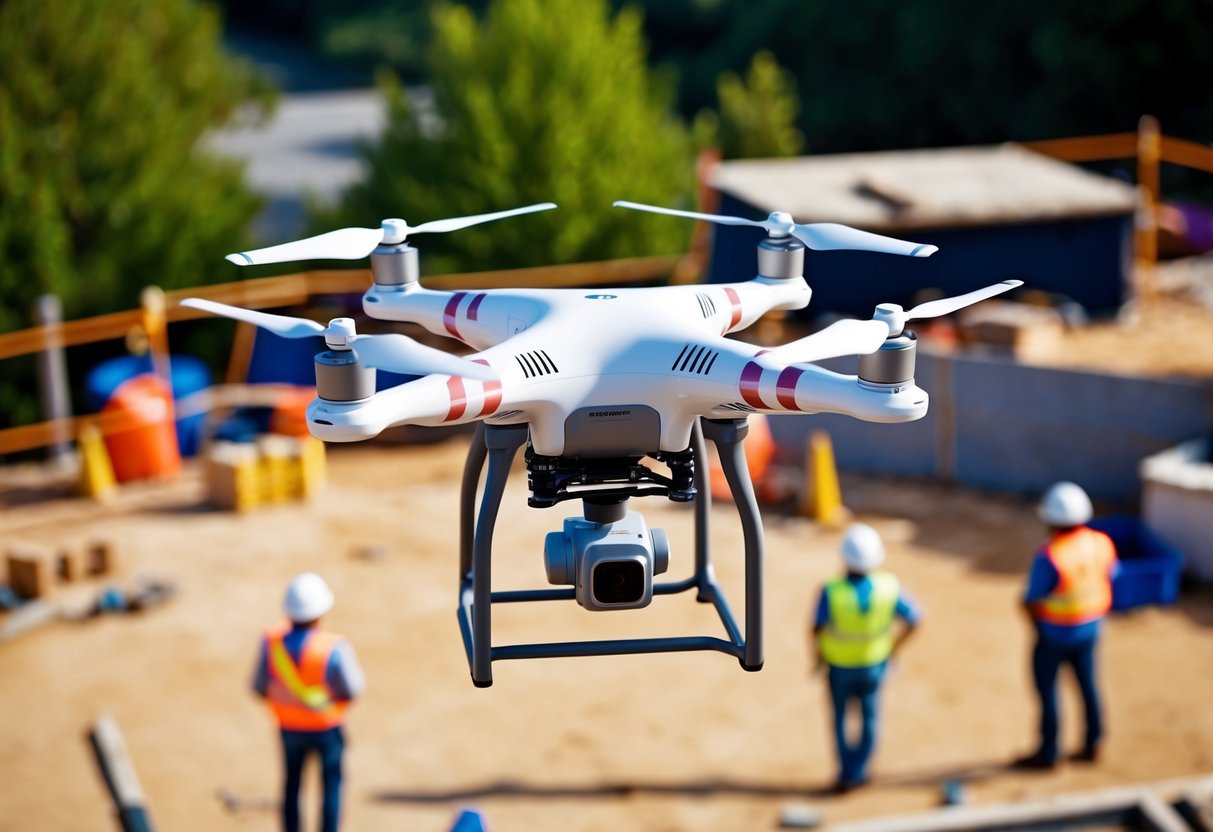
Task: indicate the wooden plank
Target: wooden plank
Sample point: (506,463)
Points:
(120,776)
(1088,148)
(1186,153)
(1157,816)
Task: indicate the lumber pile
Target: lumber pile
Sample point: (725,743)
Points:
(241,476)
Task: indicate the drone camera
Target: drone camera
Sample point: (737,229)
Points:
(611,562)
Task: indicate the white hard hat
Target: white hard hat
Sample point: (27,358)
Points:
(862,549)
(1064,505)
(307,598)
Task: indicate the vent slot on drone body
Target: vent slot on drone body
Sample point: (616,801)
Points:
(706,305)
(508,414)
(737,406)
(536,363)
(695,359)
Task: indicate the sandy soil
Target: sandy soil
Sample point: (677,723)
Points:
(656,742)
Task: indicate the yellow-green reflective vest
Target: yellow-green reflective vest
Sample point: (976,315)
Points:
(855,638)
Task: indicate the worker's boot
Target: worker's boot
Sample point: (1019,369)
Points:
(1089,754)
(1037,761)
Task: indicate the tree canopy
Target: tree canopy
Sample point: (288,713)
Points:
(542,100)
(103,185)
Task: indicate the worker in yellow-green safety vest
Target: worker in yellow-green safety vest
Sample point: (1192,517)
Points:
(854,635)
(309,677)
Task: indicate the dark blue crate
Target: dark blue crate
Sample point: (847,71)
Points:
(1149,566)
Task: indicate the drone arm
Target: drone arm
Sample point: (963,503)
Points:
(478,318)
(742,304)
(807,388)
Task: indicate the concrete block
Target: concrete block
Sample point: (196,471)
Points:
(100,558)
(70,563)
(1177,502)
(30,572)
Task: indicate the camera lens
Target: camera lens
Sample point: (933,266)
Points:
(618,582)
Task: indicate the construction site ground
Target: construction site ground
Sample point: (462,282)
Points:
(648,742)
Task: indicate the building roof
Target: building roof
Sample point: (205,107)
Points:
(937,188)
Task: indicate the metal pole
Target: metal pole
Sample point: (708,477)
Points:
(703,508)
(729,436)
(52,378)
(502,443)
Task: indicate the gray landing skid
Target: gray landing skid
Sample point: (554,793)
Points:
(499,445)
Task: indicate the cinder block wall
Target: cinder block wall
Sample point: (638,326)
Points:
(997,425)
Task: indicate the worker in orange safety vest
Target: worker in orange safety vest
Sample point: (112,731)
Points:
(1069,593)
(309,677)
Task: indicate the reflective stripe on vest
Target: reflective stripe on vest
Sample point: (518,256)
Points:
(298,694)
(1083,559)
(851,636)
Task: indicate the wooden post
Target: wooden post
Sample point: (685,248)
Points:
(120,776)
(155,326)
(52,378)
(1149,155)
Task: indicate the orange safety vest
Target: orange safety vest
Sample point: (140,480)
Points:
(298,695)
(1083,559)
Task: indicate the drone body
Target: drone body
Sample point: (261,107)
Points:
(592,382)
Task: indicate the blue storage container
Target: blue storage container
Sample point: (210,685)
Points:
(1149,567)
(189,375)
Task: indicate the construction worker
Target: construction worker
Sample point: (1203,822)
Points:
(1069,593)
(308,677)
(855,635)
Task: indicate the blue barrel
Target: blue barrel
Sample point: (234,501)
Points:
(189,375)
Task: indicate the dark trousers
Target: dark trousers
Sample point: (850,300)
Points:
(297,746)
(861,685)
(1047,659)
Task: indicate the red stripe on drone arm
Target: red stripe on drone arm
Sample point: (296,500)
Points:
(735,300)
(474,306)
(459,399)
(785,387)
(448,314)
(492,391)
(748,384)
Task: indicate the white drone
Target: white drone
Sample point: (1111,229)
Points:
(594,381)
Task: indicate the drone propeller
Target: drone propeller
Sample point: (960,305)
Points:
(852,337)
(896,317)
(819,236)
(355,243)
(390,351)
(847,337)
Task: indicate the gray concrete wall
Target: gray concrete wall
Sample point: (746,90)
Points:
(1001,426)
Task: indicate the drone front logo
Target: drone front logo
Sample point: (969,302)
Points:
(601,297)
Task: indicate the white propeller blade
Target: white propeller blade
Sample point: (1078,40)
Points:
(830,236)
(438,226)
(896,317)
(847,337)
(356,243)
(390,351)
(343,244)
(400,354)
(943,306)
(282,325)
(819,236)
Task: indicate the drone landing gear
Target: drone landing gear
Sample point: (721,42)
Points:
(500,445)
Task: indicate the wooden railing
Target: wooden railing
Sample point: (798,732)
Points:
(273,292)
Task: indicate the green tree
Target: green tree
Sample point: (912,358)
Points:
(757,115)
(103,185)
(544,100)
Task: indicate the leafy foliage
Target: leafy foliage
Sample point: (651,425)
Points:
(758,114)
(103,187)
(544,100)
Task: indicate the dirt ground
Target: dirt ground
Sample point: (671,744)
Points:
(654,742)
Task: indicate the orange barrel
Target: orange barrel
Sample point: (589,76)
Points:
(759,452)
(290,411)
(140,434)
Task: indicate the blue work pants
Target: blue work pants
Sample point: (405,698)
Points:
(297,746)
(1047,659)
(861,685)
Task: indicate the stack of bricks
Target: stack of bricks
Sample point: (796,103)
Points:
(241,476)
(34,570)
